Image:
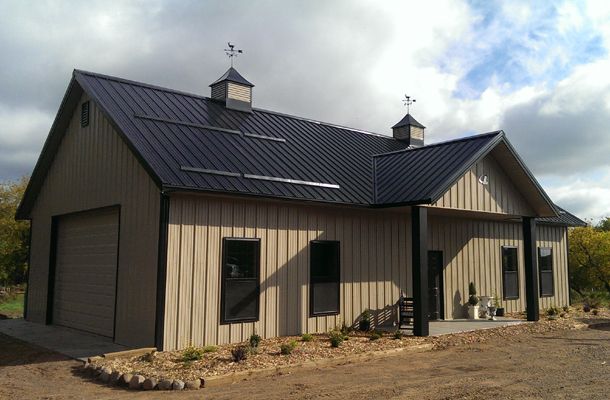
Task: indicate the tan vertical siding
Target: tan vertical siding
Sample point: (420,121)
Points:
(472,252)
(374,265)
(93,168)
(499,196)
(556,238)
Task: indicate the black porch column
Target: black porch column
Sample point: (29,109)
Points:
(419,246)
(531,269)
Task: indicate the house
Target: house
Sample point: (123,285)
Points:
(166,218)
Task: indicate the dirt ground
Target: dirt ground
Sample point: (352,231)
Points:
(566,364)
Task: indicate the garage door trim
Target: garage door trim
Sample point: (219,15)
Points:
(53,261)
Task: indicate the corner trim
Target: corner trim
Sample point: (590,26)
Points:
(161,271)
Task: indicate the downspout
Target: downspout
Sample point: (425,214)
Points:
(161,270)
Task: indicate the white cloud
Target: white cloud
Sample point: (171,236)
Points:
(343,62)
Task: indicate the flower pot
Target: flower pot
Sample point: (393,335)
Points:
(473,312)
(500,311)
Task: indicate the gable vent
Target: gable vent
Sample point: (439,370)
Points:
(84,114)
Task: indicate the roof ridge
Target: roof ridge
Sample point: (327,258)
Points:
(451,141)
(197,96)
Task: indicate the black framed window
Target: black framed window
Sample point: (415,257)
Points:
(240,280)
(545,268)
(324,277)
(510,272)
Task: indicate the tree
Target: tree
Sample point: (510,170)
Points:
(589,260)
(14,235)
(604,224)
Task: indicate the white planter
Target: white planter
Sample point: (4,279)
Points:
(473,311)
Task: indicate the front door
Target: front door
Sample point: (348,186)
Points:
(435,284)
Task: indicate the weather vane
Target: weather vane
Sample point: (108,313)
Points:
(232,52)
(407,101)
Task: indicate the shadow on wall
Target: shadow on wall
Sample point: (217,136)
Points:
(384,317)
(459,309)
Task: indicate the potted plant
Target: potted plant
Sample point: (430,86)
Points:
(473,302)
(365,320)
(498,306)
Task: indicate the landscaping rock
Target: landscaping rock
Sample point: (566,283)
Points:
(136,382)
(125,379)
(115,376)
(165,384)
(192,385)
(105,375)
(178,385)
(149,384)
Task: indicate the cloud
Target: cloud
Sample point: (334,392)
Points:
(535,70)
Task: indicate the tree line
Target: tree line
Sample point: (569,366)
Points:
(589,259)
(14,235)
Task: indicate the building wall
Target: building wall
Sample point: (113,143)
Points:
(374,265)
(472,251)
(94,168)
(499,196)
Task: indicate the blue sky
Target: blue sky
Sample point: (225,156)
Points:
(538,70)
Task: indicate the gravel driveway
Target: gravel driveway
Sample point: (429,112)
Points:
(567,364)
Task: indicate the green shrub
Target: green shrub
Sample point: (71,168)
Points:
(307,337)
(255,340)
(566,308)
(552,311)
(595,311)
(398,334)
(192,353)
(472,294)
(240,353)
(287,348)
(336,338)
(346,330)
(365,320)
(375,335)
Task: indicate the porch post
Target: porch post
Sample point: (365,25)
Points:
(419,248)
(531,268)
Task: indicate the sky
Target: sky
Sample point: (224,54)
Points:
(540,71)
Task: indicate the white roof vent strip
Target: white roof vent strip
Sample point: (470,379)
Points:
(210,127)
(260,177)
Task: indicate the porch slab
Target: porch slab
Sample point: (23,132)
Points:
(70,342)
(446,327)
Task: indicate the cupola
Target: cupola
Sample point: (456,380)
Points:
(233,90)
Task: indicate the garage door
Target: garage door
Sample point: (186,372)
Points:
(85,271)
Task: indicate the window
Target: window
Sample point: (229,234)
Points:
(545,268)
(324,278)
(240,280)
(510,272)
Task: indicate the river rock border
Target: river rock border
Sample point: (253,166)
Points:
(137,382)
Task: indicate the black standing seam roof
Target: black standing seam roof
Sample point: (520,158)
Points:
(563,218)
(190,143)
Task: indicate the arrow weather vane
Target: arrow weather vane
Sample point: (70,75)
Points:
(407,101)
(232,52)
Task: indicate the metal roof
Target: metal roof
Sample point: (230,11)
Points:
(421,175)
(563,218)
(233,76)
(188,142)
(191,142)
(408,120)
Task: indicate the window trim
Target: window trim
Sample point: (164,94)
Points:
(312,313)
(552,272)
(223,320)
(504,297)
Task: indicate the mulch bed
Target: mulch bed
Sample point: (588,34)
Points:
(170,365)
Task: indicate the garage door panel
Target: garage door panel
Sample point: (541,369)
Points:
(85,271)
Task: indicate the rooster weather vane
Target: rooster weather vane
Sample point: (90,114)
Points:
(232,52)
(407,101)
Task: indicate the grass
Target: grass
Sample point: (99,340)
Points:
(13,306)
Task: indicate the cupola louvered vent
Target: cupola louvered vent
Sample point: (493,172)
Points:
(84,114)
